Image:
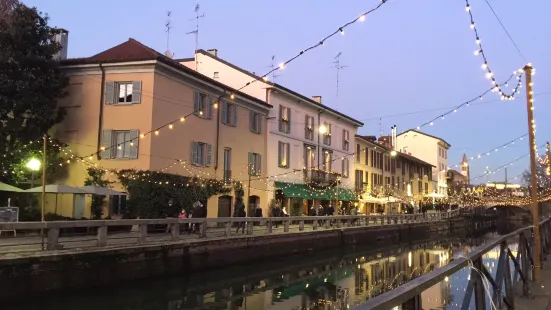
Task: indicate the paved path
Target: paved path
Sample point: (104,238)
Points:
(540,298)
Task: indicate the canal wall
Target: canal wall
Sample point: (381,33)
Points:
(48,271)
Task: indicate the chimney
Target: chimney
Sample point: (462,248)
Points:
(213,52)
(62,37)
(317,99)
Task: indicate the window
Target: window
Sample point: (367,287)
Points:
(426,188)
(327,160)
(346,141)
(366,156)
(327,135)
(216,75)
(345,167)
(398,182)
(358,180)
(255,122)
(228,113)
(201,154)
(119,144)
(227,166)
(358,153)
(366,179)
(284,119)
(255,164)
(445,154)
(283,154)
(309,156)
(309,128)
(202,105)
(122,93)
(420,186)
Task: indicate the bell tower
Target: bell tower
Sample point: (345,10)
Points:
(465,169)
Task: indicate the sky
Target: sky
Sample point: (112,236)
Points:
(407,63)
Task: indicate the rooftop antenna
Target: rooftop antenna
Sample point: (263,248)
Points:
(196,32)
(338,66)
(273,66)
(168,26)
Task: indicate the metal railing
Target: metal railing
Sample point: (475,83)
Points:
(502,286)
(101,233)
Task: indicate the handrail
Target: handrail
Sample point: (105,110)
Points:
(410,292)
(132,231)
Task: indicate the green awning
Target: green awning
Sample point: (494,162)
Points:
(292,190)
(321,194)
(344,194)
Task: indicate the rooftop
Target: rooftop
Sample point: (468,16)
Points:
(425,134)
(133,51)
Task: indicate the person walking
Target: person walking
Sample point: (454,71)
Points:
(241,213)
(276,212)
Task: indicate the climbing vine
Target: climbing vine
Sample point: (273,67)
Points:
(157,194)
(96,177)
(239,194)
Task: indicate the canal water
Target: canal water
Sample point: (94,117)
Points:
(331,280)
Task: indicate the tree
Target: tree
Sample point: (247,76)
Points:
(544,180)
(31,82)
(96,177)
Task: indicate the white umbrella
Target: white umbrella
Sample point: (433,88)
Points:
(8,188)
(57,189)
(103,191)
(434,195)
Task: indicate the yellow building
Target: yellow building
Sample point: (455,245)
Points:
(388,180)
(119,101)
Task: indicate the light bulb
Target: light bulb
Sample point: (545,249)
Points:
(170,126)
(215,105)
(142,136)
(156,132)
(362,17)
(477,52)
(232,96)
(281,66)
(472,25)
(182,119)
(200,112)
(468,8)
(484,65)
(341,30)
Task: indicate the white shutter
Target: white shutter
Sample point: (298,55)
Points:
(136,92)
(194,154)
(107,143)
(134,140)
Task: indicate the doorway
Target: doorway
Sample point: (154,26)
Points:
(78,206)
(224,206)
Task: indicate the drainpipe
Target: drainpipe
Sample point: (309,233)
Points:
(217,136)
(101,103)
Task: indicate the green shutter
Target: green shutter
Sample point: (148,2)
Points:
(194,158)
(223,111)
(259,164)
(209,155)
(250,164)
(196,102)
(209,107)
(234,115)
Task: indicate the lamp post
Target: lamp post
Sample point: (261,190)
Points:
(33,165)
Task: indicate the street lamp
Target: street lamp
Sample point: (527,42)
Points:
(34,165)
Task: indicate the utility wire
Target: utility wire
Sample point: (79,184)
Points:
(505,29)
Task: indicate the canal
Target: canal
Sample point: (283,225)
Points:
(338,279)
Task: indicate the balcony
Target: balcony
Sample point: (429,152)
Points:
(320,177)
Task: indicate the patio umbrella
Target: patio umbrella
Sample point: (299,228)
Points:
(102,191)
(434,195)
(8,188)
(57,189)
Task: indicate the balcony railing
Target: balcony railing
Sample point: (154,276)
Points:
(321,177)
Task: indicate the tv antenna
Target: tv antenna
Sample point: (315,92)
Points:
(338,66)
(273,66)
(196,31)
(168,26)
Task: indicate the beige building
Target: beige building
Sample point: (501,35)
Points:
(379,172)
(119,101)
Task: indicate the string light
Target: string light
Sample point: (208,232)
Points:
(488,153)
(485,66)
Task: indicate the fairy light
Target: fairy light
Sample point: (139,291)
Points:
(505,165)
(493,150)
(485,66)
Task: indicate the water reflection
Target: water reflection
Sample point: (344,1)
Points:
(322,281)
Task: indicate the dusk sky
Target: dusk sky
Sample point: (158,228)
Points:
(408,62)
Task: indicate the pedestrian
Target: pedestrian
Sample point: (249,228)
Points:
(182,215)
(258,213)
(276,212)
(241,213)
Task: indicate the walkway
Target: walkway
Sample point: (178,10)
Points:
(540,298)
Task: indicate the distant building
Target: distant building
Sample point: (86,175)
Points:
(431,149)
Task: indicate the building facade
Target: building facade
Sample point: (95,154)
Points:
(309,145)
(379,172)
(430,149)
(119,99)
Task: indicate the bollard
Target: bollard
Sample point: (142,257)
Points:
(269,228)
(142,233)
(315,225)
(53,238)
(174,231)
(102,236)
(301,225)
(286,226)
(228,229)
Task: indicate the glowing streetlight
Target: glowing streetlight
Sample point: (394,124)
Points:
(393,153)
(323,129)
(34,165)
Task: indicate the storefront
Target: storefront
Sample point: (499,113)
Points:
(297,199)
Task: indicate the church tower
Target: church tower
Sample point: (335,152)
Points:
(465,169)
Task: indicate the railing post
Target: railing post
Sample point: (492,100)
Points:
(228,228)
(286,225)
(102,236)
(479,292)
(250,228)
(142,233)
(414,303)
(203,229)
(175,231)
(301,225)
(327,223)
(53,239)
(269,227)
(315,225)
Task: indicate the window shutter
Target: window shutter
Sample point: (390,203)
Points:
(288,120)
(279,152)
(224,111)
(196,102)
(259,120)
(288,159)
(234,110)
(107,142)
(194,154)
(280,118)
(209,155)
(134,138)
(306,125)
(251,121)
(137,92)
(209,107)
(258,164)
(109,92)
(250,165)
